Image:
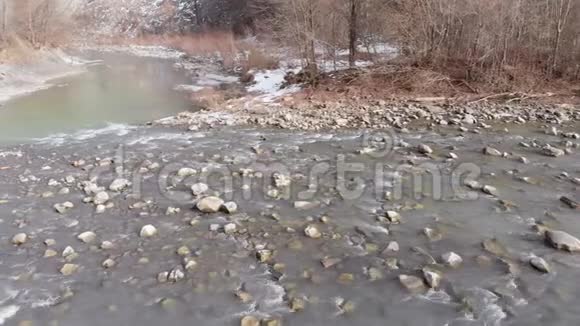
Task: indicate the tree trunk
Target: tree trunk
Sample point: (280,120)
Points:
(197,9)
(353,32)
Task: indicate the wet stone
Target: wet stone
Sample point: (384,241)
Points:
(19,239)
(230,207)
(250,321)
(491,151)
(424,149)
(69,269)
(393,217)
(209,204)
(87,237)
(540,264)
(312,232)
(148,231)
(412,283)
(119,185)
(432,277)
(63,207)
(452,259)
(562,240)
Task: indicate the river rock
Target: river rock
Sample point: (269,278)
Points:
(540,264)
(424,149)
(119,185)
(210,204)
(176,275)
(474,185)
(264,255)
(69,269)
(452,259)
(19,239)
(108,263)
(328,262)
(230,207)
(491,151)
(433,234)
(250,321)
(87,237)
(562,240)
(230,228)
(490,190)
(432,277)
(495,247)
(305,205)
(312,232)
(186,172)
(553,151)
(199,189)
(148,231)
(101,198)
(412,283)
(63,207)
(393,217)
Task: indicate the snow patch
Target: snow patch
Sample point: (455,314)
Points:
(8,312)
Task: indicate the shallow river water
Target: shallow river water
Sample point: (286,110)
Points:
(337,185)
(120,89)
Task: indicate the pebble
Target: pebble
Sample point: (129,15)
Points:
(107,245)
(491,151)
(210,204)
(87,237)
(101,198)
(69,269)
(148,231)
(68,251)
(63,207)
(119,185)
(562,240)
(433,234)
(424,149)
(108,263)
(186,172)
(230,207)
(328,262)
(393,217)
(250,321)
(50,253)
(540,264)
(553,151)
(392,247)
(230,228)
(490,190)
(305,205)
(432,277)
(452,259)
(312,232)
(176,275)
(412,283)
(199,189)
(19,239)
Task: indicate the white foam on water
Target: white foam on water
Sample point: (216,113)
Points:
(8,312)
(11,153)
(62,138)
(145,140)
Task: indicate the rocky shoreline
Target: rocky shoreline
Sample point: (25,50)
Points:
(374,115)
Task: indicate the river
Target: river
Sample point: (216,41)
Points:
(233,275)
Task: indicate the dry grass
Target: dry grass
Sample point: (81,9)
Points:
(18,51)
(404,80)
